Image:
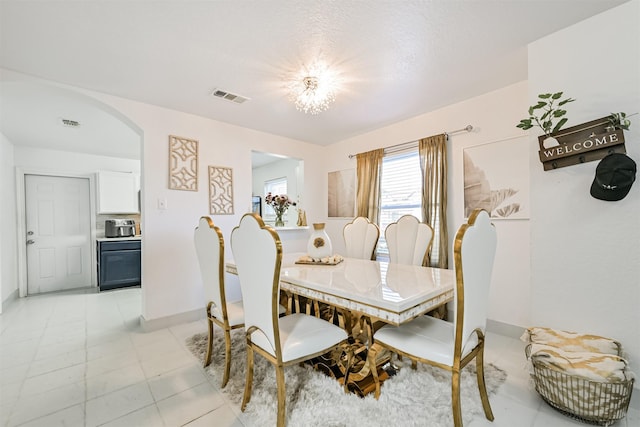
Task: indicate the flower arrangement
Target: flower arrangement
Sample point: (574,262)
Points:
(280,203)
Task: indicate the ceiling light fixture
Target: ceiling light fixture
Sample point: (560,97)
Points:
(313,88)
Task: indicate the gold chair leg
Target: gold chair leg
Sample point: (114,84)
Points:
(248,380)
(482,387)
(207,358)
(281,395)
(227,357)
(455,398)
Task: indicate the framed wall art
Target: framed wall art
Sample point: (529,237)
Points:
(496,178)
(183,164)
(220,190)
(342,194)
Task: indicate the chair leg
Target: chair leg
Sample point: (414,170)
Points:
(455,398)
(482,387)
(248,380)
(207,358)
(281,395)
(227,357)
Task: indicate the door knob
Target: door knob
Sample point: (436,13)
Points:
(30,242)
(29,233)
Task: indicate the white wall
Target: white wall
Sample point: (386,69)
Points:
(493,116)
(8,259)
(171,282)
(585,253)
(56,161)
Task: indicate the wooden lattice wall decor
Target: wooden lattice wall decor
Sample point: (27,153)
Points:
(183,163)
(220,190)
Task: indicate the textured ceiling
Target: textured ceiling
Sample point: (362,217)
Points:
(396,59)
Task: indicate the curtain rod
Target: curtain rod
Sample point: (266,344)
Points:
(467,128)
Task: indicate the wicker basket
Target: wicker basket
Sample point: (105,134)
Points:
(601,403)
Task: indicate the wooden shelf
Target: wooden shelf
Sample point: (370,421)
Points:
(583,143)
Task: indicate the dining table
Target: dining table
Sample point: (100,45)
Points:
(365,292)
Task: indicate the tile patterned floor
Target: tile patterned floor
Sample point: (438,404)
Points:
(81,359)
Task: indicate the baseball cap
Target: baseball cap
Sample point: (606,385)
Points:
(614,176)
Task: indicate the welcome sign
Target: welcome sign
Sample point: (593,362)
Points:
(582,143)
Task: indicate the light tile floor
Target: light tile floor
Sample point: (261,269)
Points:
(81,359)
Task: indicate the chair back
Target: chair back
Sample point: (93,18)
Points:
(257,252)
(408,241)
(473,253)
(361,238)
(209,245)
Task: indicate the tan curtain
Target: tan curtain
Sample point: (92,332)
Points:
(368,193)
(433,164)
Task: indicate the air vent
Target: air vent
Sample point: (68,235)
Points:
(233,97)
(70,123)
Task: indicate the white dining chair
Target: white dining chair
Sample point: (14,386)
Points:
(209,245)
(361,238)
(408,241)
(452,345)
(283,341)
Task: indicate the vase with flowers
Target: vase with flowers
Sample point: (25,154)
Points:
(280,203)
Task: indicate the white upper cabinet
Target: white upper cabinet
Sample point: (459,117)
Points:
(118,192)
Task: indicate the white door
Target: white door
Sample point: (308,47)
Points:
(58,233)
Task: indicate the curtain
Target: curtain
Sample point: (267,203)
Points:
(368,192)
(433,164)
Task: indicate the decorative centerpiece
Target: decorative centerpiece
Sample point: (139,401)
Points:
(280,204)
(319,245)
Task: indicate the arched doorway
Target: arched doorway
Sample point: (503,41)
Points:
(57,131)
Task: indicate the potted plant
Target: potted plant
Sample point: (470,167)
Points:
(544,114)
(618,121)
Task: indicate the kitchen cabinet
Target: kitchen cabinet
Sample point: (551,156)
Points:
(118,192)
(118,264)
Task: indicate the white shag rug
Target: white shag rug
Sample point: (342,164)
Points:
(419,397)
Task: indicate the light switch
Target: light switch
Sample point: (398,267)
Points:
(162,204)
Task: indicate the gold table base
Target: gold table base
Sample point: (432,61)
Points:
(361,379)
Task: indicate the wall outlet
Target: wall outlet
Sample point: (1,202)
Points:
(162,204)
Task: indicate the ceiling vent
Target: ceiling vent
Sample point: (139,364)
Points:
(70,123)
(233,97)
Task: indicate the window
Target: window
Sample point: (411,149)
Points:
(401,192)
(275,187)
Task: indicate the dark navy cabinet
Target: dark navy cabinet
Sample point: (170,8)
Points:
(118,264)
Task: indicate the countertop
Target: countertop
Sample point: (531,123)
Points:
(116,239)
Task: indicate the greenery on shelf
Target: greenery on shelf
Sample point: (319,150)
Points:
(546,112)
(619,121)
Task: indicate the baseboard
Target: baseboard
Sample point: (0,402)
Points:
(8,301)
(169,321)
(505,329)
